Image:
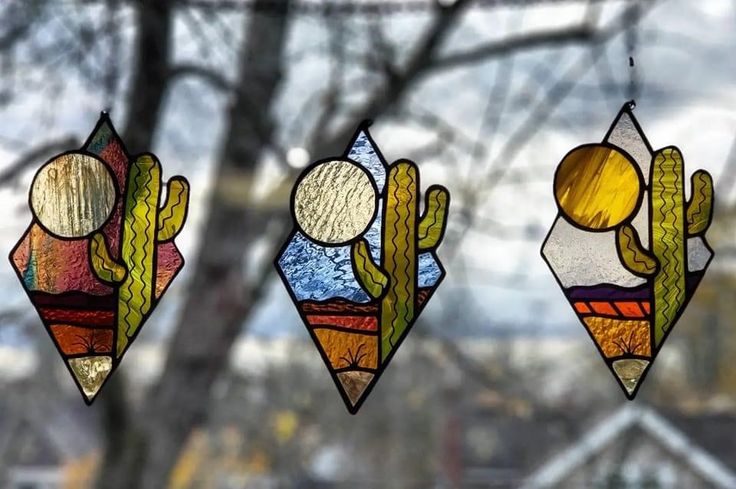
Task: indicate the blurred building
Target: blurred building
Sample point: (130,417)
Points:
(484,421)
(44,445)
(633,448)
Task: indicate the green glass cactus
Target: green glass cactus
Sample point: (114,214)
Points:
(144,227)
(672,223)
(403,238)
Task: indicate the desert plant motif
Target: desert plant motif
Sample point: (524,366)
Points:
(91,343)
(142,231)
(672,223)
(361,262)
(402,239)
(99,253)
(627,250)
(352,359)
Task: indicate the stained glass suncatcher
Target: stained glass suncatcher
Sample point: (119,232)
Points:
(361,261)
(99,253)
(627,248)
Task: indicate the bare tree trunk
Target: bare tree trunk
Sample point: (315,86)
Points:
(219,300)
(217,297)
(145,100)
(150,78)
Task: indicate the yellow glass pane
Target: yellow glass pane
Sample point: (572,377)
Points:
(597,187)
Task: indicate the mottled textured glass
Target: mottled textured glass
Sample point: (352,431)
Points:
(597,187)
(335,202)
(100,251)
(91,372)
(73,195)
(627,248)
(361,262)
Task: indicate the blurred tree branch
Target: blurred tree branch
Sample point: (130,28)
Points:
(150,75)
(549,38)
(17,21)
(727,180)
(554,94)
(352,7)
(218,299)
(34,155)
(396,85)
(208,75)
(331,97)
(124,439)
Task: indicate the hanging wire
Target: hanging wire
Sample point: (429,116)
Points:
(632,41)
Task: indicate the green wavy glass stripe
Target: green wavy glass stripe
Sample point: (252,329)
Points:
(371,277)
(668,239)
(172,215)
(635,258)
(104,266)
(399,253)
(138,247)
(701,206)
(435,213)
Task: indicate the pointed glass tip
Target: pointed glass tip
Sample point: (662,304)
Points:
(354,384)
(91,372)
(630,372)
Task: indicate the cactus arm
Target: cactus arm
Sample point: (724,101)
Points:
(399,253)
(432,224)
(668,238)
(172,215)
(634,257)
(369,275)
(103,265)
(700,207)
(136,294)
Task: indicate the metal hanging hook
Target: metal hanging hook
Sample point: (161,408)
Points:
(632,41)
(631,104)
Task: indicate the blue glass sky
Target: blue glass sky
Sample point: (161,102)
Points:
(315,272)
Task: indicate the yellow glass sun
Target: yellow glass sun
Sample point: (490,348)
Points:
(597,187)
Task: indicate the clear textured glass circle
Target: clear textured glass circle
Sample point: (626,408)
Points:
(335,202)
(73,195)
